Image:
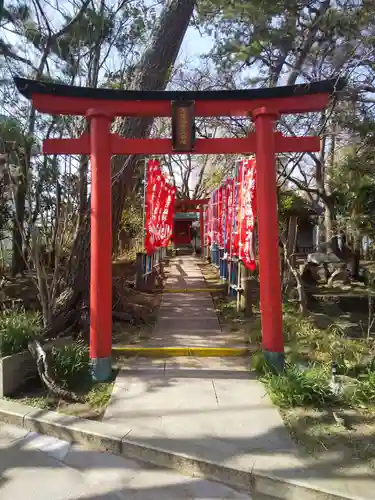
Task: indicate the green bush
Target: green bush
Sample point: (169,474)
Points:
(297,387)
(364,393)
(71,365)
(17,327)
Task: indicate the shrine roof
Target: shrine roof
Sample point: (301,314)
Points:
(29,87)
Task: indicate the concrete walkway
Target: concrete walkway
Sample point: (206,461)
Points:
(212,409)
(35,467)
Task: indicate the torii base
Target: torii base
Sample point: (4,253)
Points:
(101,369)
(274,360)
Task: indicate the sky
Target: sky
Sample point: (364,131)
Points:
(194,44)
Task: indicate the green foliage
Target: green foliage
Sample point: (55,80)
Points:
(71,365)
(291,204)
(17,327)
(364,393)
(132,218)
(13,139)
(353,181)
(282,40)
(308,343)
(297,387)
(309,353)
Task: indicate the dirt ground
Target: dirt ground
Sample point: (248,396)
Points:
(145,303)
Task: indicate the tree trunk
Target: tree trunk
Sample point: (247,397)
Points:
(330,225)
(290,248)
(302,300)
(152,74)
(18,262)
(329,203)
(354,262)
(92,81)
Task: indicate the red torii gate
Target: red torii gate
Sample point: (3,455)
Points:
(100,106)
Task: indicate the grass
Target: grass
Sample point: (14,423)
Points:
(71,365)
(97,397)
(296,387)
(17,327)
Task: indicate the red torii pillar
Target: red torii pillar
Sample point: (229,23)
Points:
(101,105)
(101,245)
(268,236)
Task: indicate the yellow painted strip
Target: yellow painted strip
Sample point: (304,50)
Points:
(202,352)
(192,290)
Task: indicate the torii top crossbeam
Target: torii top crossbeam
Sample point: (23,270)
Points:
(59,99)
(71,100)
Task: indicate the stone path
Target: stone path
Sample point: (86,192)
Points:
(188,319)
(34,467)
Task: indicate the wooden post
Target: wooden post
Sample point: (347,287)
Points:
(201,228)
(139,281)
(246,299)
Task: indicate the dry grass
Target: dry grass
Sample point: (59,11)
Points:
(317,432)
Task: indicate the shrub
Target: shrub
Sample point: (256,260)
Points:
(71,365)
(364,393)
(297,387)
(17,327)
(258,363)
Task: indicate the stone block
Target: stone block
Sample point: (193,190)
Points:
(14,413)
(96,435)
(15,370)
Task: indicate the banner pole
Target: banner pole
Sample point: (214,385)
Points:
(145,172)
(232,222)
(240,236)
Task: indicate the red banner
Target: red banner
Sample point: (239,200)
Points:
(230,205)
(237,208)
(220,217)
(160,201)
(230,215)
(166,222)
(248,214)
